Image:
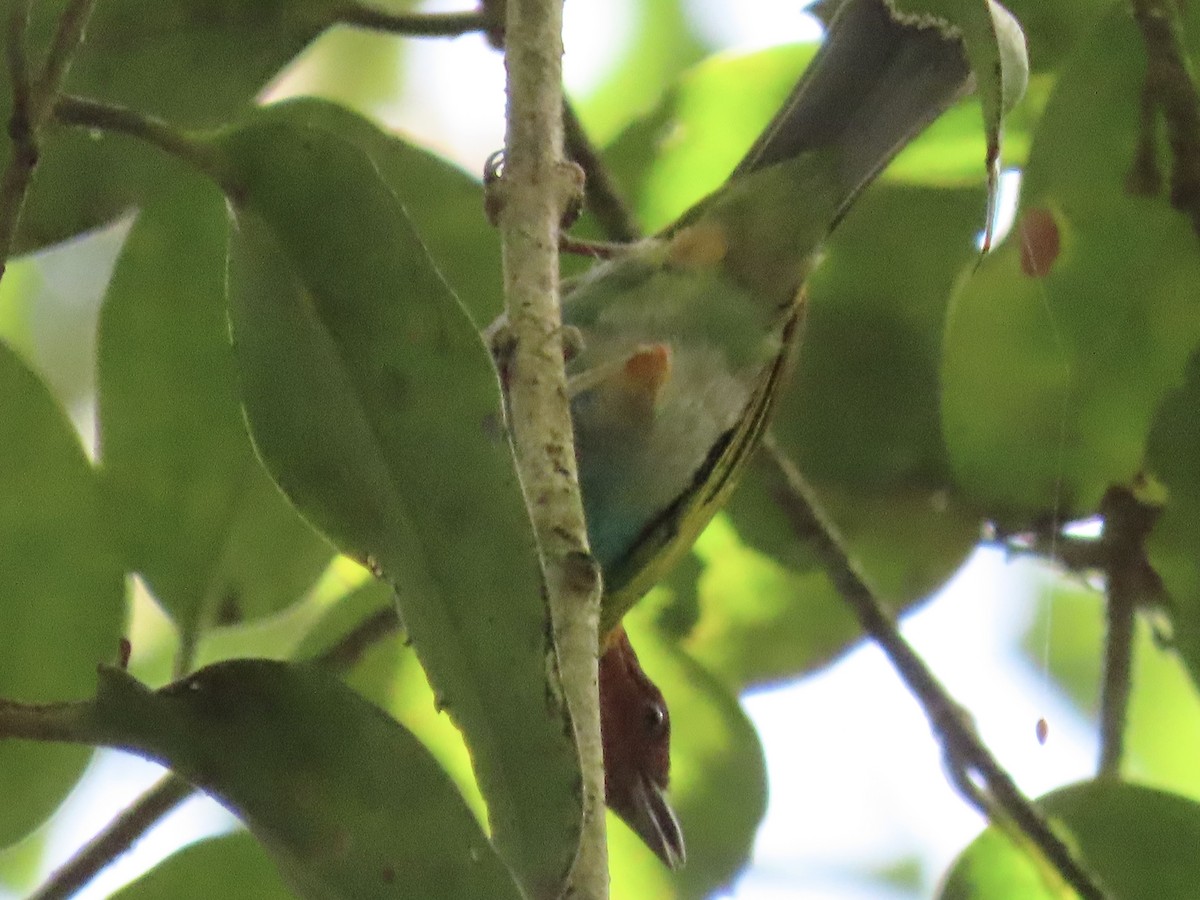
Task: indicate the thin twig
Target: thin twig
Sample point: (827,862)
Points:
(962,746)
(14,183)
(83,112)
(1171,82)
(18,59)
(414,24)
(67,38)
(350,648)
(66,723)
(117,838)
(33,101)
(602,195)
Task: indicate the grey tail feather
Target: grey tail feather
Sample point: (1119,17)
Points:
(877,81)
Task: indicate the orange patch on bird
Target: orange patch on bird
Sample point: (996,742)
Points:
(650,366)
(643,376)
(1040,241)
(698,246)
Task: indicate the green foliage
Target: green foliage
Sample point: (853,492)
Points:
(195,64)
(316,328)
(205,526)
(348,343)
(347,802)
(232,867)
(1141,842)
(61,581)
(1070,363)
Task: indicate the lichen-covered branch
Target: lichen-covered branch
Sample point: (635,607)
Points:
(535,189)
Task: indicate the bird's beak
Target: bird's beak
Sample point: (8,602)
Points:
(649,814)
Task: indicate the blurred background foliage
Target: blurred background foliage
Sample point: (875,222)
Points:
(939,399)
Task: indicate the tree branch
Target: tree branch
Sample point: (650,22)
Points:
(115,839)
(1130,582)
(83,112)
(531,195)
(413,24)
(1172,85)
(968,755)
(33,102)
(601,193)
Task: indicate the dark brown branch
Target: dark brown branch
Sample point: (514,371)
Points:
(1145,178)
(33,100)
(83,112)
(966,753)
(1171,83)
(413,24)
(1130,583)
(117,838)
(602,195)
(345,654)
(1118,675)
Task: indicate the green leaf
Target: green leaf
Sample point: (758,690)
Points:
(348,803)
(1139,841)
(62,586)
(718,776)
(21,863)
(135,55)
(995,47)
(444,203)
(231,867)
(1171,454)
(388,674)
(197,514)
(1061,346)
(374,404)
(1054,28)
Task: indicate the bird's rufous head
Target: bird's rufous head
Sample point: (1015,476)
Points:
(636,733)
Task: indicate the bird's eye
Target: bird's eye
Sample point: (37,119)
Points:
(655,719)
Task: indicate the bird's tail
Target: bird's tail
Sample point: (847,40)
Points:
(876,82)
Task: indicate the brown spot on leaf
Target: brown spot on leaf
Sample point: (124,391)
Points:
(1040,241)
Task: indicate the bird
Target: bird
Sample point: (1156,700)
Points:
(676,347)
(635,732)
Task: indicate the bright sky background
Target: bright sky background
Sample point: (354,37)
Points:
(854,772)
